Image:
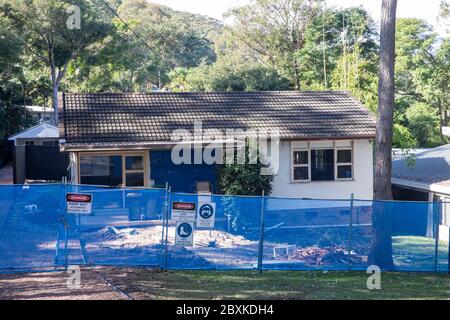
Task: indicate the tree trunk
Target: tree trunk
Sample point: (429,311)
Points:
(55,101)
(297,75)
(381,247)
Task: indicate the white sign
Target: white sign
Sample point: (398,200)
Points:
(446,131)
(206,215)
(183,211)
(184,234)
(79,203)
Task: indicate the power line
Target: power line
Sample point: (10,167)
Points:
(139,37)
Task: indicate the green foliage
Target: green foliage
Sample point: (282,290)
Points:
(274,30)
(12,84)
(225,77)
(268,45)
(123,63)
(424,124)
(403,138)
(327,37)
(244,179)
(422,80)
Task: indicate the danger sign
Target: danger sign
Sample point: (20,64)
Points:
(206,215)
(184,234)
(78,203)
(183,211)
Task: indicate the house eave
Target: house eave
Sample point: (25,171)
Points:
(86,147)
(422,186)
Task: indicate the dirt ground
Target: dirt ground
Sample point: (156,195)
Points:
(105,283)
(53,286)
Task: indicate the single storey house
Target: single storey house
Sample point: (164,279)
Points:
(324,151)
(426,177)
(36,154)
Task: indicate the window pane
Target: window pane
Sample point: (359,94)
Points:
(322,165)
(101,170)
(300,157)
(135,179)
(49,143)
(301,173)
(344,156)
(134,163)
(344,172)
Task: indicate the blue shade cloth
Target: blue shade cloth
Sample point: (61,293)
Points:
(134,227)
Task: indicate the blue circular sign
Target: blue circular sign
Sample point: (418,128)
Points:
(206,211)
(184,230)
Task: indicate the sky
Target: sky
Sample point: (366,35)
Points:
(424,9)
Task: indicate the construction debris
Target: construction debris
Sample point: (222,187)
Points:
(324,256)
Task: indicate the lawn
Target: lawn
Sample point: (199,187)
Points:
(419,253)
(143,284)
(146,284)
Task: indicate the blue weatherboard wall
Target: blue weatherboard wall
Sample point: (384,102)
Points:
(181,178)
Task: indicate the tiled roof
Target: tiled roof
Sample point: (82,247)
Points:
(139,119)
(428,167)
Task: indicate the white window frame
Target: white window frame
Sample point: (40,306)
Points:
(293,166)
(308,148)
(336,164)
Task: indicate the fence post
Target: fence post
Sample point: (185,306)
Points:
(66,226)
(163,223)
(167,228)
(350,231)
(261,234)
(164,213)
(436,206)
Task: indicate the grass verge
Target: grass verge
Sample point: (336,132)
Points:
(148,284)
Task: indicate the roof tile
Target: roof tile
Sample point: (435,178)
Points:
(112,119)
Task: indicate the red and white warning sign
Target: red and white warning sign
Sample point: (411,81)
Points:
(79,203)
(183,211)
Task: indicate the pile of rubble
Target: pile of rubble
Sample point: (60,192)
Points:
(324,256)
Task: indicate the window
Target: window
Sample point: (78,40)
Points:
(50,143)
(101,170)
(116,170)
(29,143)
(344,165)
(134,171)
(301,165)
(322,164)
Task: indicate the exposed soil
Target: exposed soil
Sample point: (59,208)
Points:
(53,286)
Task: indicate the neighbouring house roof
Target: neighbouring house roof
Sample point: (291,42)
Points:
(427,170)
(43,130)
(102,120)
(398,153)
(37,109)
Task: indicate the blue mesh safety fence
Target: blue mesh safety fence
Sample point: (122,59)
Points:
(137,227)
(232,243)
(30,218)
